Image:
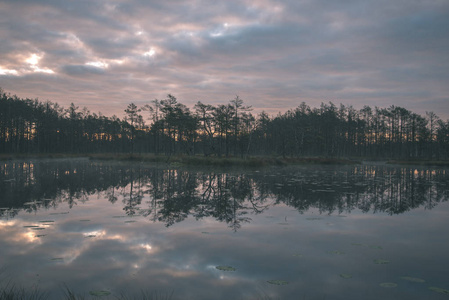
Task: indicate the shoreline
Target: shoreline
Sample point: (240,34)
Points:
(420,162)
(199,160)
(185,160)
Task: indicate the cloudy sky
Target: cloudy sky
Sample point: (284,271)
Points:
(105,54)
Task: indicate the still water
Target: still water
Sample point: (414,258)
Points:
(303,232)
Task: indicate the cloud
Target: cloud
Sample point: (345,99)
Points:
(273,53)
(80,70)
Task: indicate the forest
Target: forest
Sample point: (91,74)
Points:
(168,127)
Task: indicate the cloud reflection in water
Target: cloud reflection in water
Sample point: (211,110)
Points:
(339,219)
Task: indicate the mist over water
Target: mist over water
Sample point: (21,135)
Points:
(312,232)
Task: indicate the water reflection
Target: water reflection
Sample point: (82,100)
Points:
(125,228)
(172,195)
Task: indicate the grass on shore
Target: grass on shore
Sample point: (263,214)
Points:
(195,160)
(13,292)
(420,162)
(13,156)
(199,160)
(144,295)
(10,291)
(192,160)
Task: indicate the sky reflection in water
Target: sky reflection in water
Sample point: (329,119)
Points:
(126,228)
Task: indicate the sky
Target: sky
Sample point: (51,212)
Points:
(105,54)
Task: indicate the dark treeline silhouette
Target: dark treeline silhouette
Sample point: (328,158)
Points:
(169,127)
(173,195)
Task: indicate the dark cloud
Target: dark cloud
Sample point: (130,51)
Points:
(274,53)
(80,70)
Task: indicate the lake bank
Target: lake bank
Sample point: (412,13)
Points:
(259,161)
(420,162)
(197,160)
(181,160)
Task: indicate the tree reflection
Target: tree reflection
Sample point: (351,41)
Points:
(171,195)
(133,198)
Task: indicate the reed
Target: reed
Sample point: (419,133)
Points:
(10,291)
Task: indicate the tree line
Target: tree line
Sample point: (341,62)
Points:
(168,127)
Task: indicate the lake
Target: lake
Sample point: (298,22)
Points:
(370,231)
